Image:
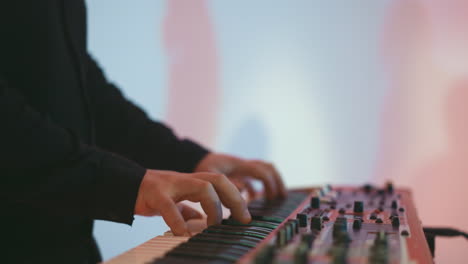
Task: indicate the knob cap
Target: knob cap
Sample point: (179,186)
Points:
(281,238)
(302,218)
(357,223)
(358,206)
(316,223)
(395,221)
(315,202)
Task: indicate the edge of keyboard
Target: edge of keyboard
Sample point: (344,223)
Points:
(412,247)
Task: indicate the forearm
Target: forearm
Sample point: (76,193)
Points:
(122,127)
(44,165)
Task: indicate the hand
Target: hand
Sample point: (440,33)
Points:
(160,191)
(242,171)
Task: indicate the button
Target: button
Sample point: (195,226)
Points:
(308,239)
(381,238)
(322,192)
(367,188)
(379,252)
(294,225)
(338,254)
(316,223)
(289,232)
(340,228)
(302,219)
(315,202)
(301,254)
(281,238)
(358,206)
(357,223)
(401,209)
(394,204)
(395,221)
(390,187)
(405,233)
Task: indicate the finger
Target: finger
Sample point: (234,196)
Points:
(239,183)
(228,194)
(258,172)
(278,180)
(172,216)
(189,212)
(250,189)
(204,192)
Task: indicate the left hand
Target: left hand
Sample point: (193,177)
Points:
(241,172)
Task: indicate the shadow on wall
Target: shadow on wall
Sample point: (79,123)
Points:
(251,139)
(194,91)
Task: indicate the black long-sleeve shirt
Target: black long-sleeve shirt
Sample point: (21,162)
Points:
(72,148)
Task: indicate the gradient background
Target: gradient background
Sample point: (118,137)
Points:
(335,91)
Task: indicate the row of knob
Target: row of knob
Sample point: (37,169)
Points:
(358,205)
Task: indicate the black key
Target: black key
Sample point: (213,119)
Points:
(265,224)
(228,237)
(273,219)
(240,233)
(202,246)
(261,230)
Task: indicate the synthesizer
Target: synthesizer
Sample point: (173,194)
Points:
(328,225)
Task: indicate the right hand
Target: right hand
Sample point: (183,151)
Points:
(160,191)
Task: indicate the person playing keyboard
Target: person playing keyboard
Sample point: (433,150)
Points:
(74,149)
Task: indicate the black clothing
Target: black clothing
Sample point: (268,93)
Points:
(72,148)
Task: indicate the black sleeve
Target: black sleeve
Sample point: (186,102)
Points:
(45,166)
(124,128)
